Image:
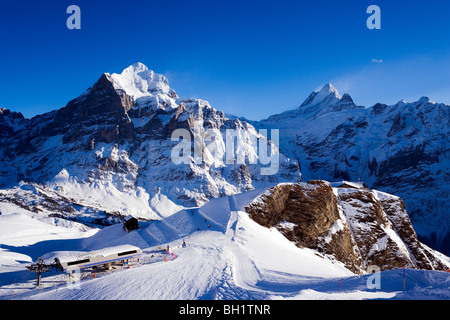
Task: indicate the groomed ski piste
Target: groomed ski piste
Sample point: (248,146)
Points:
(227,256)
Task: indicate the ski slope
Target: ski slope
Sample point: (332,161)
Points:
(228,256)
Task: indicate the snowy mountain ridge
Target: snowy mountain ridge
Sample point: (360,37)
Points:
(318,103)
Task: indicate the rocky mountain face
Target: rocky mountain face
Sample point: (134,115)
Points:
(356,226)
(402,149)
(111,149)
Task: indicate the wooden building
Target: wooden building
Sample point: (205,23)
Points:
(131,223)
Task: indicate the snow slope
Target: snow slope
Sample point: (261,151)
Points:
(228,256)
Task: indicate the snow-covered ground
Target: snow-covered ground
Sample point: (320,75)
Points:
(228,256)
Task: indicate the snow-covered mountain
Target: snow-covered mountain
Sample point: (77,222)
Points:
(318,103)
(402,149)
(111,149)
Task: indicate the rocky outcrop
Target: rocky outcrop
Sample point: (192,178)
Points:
(358,227)
(394,207)
(309,215)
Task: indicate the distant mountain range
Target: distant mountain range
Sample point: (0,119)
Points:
(107,153)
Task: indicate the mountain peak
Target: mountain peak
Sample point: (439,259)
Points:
(327,100)
(328,88)
(138,66)
(425,100)
(327,96)
(139,81)
(319,102)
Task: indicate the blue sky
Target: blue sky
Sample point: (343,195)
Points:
(249,58)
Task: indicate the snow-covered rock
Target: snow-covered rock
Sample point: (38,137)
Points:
(358,227)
